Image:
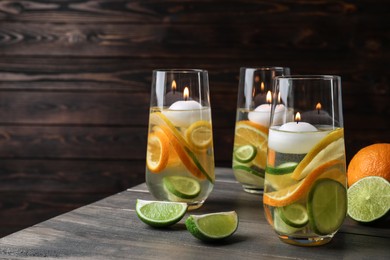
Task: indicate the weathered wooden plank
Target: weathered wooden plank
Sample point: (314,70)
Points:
(32,191)
(194,41)
(119,11)
(80,142)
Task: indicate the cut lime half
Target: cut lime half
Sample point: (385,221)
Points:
(327,206)
(369,199)
(160,213)
(182,187)
(214,226)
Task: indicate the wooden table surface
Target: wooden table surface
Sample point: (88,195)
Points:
(110,229)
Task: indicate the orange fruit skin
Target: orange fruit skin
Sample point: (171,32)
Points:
(372,160)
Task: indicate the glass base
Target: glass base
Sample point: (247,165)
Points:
(193,206)
(253,189)
(306,241)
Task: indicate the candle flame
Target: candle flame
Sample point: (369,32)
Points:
(186,93)
(262,86)
(279,98)
(318,106)
(173,85)
(298,117)
(269,97)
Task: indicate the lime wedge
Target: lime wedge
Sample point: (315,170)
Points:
(284,168)
(182,187)
(245,153)
(160,213)
(369,199)
(294,215)
(214,226)
(327,206)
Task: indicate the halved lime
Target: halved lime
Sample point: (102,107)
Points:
(245,153)
(160,213)
(283,168)
(327,206)
(369,199)
(294,215)
(214,226)
(182,187)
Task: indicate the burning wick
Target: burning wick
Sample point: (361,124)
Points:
(269,97)
(298,117)
(173,86)
(318,107)
(186,93)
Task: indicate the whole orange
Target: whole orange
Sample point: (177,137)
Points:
(372,160)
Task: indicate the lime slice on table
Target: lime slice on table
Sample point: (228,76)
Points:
(160,213)
(327,206)
(369,199)
(294,215)
(245,153)
(182,187)
(212,227)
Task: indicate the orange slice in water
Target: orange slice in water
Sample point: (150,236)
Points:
(248,132)
(157,152)
(331,147)
(332,170)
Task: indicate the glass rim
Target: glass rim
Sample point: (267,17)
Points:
(308,77)
(180,70)
(265,68)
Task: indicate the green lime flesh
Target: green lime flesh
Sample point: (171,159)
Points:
(160,213)
(245,153)
(294,215)
(212,227)
(369,199)
(284,168)
(327,206)
(182,187)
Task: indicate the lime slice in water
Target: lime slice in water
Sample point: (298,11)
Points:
(245,153)
(294,215)
(369,199)
(282,227)
(327,206)
(182,187)
(284,168)
(214,226)
(160,213)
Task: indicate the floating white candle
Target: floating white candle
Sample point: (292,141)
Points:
(182,113)
(261,114)
(294,137)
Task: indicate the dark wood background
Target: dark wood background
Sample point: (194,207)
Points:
(75,83)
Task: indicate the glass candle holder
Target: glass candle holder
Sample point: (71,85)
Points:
(252,121)
(180,156)
(305,197)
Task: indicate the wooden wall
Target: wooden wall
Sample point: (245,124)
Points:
(75,83)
